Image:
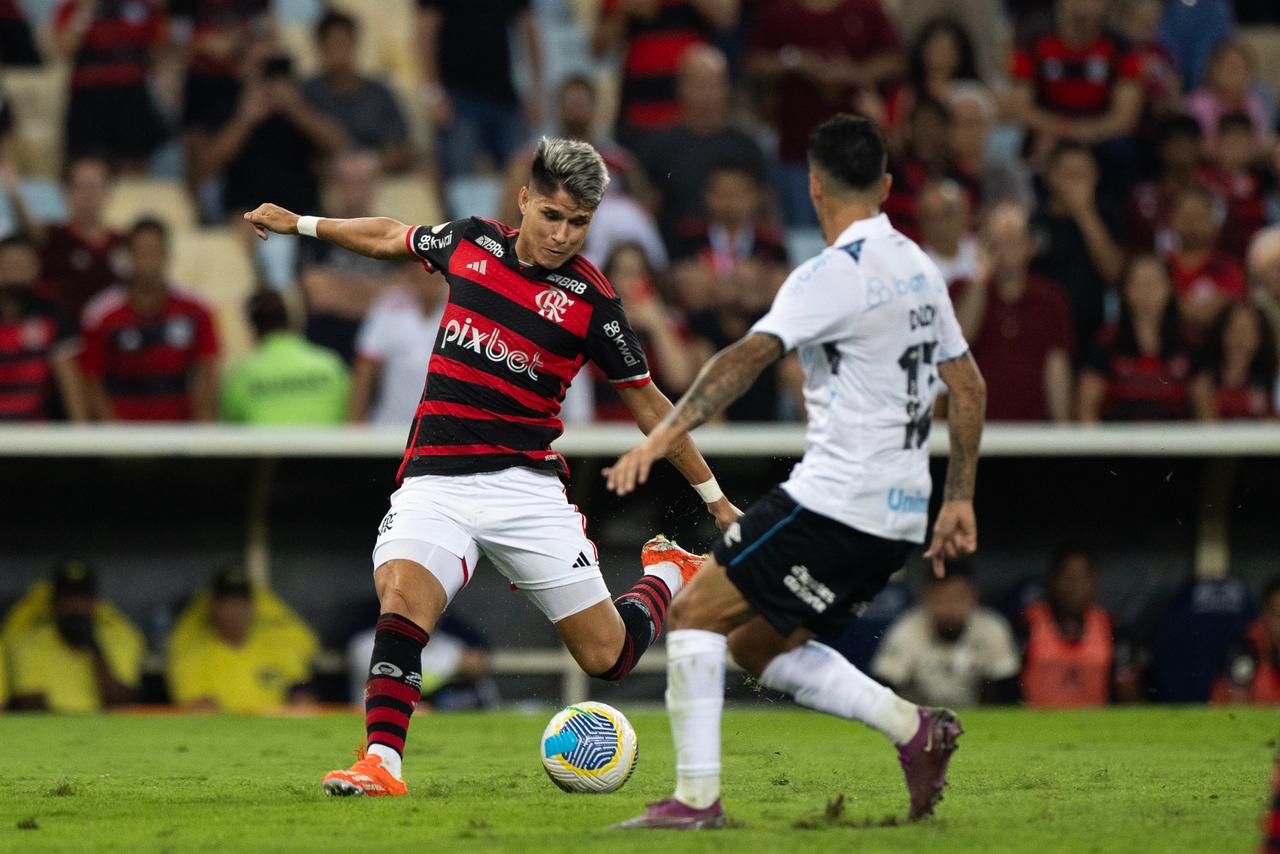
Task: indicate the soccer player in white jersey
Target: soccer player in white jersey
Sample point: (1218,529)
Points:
(875,330)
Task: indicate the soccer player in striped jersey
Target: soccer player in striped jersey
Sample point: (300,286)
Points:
(525,312)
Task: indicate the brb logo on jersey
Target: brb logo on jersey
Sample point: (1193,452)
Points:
(491,346)
(490,245)
(552,304)
(568,284)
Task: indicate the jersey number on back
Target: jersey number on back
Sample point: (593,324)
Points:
(919,418)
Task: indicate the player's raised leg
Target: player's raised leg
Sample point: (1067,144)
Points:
(412,598)
(824,680)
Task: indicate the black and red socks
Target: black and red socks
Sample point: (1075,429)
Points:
(394,687)
(643,609)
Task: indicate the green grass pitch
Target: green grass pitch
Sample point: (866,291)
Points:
(1126,780)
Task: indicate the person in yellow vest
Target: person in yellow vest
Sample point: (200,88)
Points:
(238,648)
(1071,657)
(69,651)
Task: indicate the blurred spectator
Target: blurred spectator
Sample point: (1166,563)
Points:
(394,347)
(926,157)
(286,380)
(662,332)
(1138,369)
(268,149)
(823,57)
(83,257)
(946,233)
(973,114)
(1072,660)
(70,651)
(365,108)
(112,45)
(340,286)
(1178,147)
(656,35)
(17,46)
(1194,31)
(1196,632)
(949,650)
(219,38)
(679,159)
(1157,69)
(455,668)
(1077,241)
(733,230)
(1253,670)
(1264,273)
(621,217)
(1231,87)
(1237,377)
(470,92)
(1247,187)
(38,344)
(940,56)
(150,350)
(1077,83)
(1204,278)
(1019,326)
(238,648)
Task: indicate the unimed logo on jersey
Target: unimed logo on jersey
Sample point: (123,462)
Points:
(552,304)
(491,346)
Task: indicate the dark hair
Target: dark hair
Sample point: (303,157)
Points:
(617,251)
(17,241)
(1126,341)
(1262,370)
(150,225)
(1064,147)
(332,20)
(968,69)
(739,166)
(851,150)
(100,159)
(1062,553)
(1178,126)
(1236,121)
(267,312)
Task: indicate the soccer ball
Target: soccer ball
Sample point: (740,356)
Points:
(589,747)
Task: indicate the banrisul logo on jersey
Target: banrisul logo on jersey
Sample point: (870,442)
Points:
(491,346)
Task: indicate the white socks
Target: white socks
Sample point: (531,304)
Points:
(819,677)
(669,573)
(390,759)
(695,700)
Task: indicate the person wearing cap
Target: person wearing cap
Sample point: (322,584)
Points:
(239,648)
(76,654)
(287,379)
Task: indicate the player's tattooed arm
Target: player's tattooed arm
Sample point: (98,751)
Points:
(723,379)
(966,413)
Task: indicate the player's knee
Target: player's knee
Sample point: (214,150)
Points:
(691,610)
(597,660)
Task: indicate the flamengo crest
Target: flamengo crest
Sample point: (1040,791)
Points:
(553,303)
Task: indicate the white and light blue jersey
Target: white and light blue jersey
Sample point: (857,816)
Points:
(871,319)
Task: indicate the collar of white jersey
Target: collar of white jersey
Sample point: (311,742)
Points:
(876,226)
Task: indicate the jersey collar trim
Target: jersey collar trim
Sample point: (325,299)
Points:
(876,226)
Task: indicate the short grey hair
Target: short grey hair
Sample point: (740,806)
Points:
(570,165)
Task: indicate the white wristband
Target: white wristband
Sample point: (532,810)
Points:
(709,490)
(307,225)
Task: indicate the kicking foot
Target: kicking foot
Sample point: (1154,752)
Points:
(367,777)
(925,758)
(673,815)
(662,550)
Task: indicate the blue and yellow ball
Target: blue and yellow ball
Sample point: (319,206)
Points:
(589,747)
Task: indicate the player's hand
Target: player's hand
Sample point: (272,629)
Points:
(632,468)
(724,513)
(955,535)
(267,219)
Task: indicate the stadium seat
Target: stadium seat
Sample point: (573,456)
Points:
(474,195)
(387,45)
(39,98)
(213,263)
(410,199)
(132,198)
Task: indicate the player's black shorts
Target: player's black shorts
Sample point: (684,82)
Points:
(800,569)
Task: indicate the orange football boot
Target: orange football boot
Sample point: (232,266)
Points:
(367,777)
(662,550)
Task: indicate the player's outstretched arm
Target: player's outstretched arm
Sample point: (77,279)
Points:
(374,236)
(955,534)
(721,381)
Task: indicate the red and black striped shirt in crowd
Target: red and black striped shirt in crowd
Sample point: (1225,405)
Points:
(512,339)
(1075,81)
(74,269)
(655,47)
(116,49)
(28,345)
(145,361)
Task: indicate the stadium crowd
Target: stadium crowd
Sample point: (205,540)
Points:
(1098,182)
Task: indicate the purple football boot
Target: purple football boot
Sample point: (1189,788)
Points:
(925,758)
(673,815)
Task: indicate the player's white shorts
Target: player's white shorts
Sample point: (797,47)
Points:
(519,518)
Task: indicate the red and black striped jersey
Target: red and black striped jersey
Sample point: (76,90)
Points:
(1075,81)
(28,345)
(512,339)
